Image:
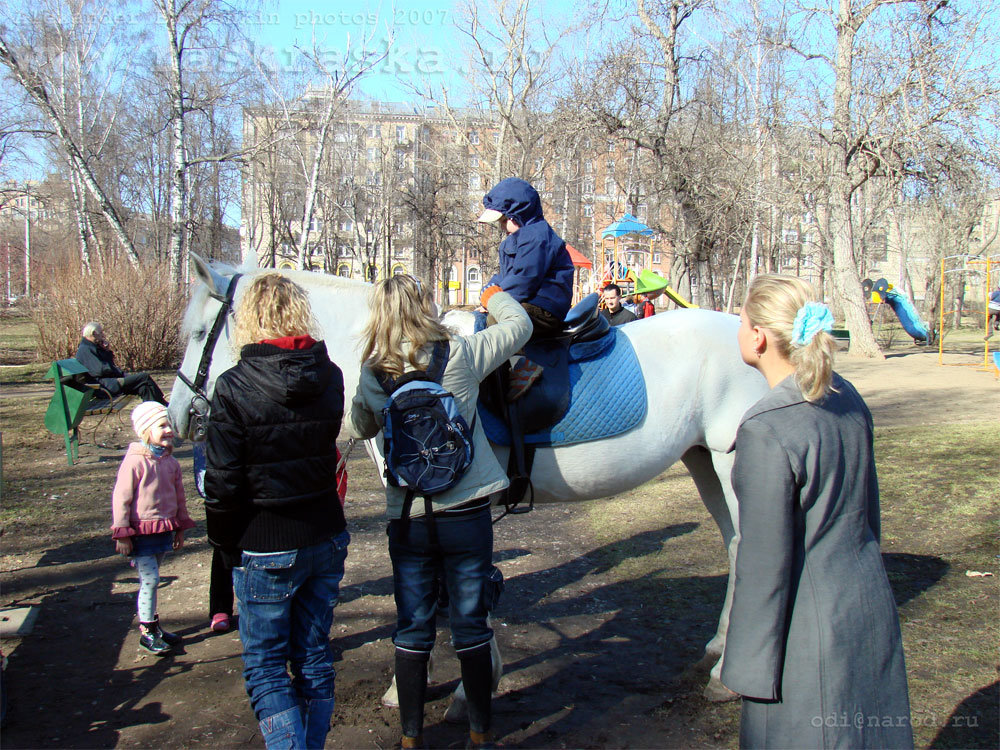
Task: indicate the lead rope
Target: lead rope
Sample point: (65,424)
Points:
(343,458)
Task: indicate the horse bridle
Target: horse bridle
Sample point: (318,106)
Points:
(198,410)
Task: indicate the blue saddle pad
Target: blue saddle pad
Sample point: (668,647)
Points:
(607,398)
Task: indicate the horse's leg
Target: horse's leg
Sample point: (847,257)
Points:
(458,711)
(390,699)
(710,471)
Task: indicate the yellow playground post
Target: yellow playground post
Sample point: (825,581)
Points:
(983,267)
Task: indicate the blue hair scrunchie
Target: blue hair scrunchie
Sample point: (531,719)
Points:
(811,318)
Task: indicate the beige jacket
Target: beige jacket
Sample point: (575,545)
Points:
(470,360)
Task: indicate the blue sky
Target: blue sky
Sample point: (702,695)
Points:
(426,46)
(425,43)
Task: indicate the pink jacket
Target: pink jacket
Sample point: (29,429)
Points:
(149,495)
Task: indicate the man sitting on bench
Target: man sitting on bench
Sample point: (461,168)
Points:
(95,354)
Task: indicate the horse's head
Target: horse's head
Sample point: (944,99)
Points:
(207,328)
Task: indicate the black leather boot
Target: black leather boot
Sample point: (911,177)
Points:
(172,638)
(151,640)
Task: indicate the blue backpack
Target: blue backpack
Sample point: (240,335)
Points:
(426,441)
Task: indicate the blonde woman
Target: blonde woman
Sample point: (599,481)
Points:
(273,508)
(814,643)
(399,338)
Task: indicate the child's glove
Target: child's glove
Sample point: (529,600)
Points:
(488,292)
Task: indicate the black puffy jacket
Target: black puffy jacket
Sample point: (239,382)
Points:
(272,452)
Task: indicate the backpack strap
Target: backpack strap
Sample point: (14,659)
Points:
(435,370)
(439,361)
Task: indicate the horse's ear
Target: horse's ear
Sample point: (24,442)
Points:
(208,277)
(250,261)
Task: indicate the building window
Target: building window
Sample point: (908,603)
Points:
(400,133)
(611,166)
(344,270)
(538,165)
(372,154)
(400,159)
(315,224)
(399,270)
(588,166)
(656,258)
(496,137)
(588,186)
(588,210)
(540,184)
(373,130)
(474,138)
(473,275)
(609,185)
(347,225)
(474,162)
(611,147)
(790,236)
(640,212)
(474,181)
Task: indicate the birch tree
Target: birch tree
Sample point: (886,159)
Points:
(62,57)
(210,27)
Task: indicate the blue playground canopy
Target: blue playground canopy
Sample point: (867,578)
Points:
(628,224)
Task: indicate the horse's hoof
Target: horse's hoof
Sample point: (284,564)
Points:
(716,692)
(391,697)
(457,713)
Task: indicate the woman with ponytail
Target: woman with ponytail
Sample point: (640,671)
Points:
(814,643)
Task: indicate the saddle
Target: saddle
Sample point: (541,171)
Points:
(584,335)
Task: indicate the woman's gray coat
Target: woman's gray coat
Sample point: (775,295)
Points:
(814,643)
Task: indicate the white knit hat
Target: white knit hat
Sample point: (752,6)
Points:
(146,414)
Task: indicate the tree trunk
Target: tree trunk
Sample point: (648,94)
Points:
(178,157)
(848,280)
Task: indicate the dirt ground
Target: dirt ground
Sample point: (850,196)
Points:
(596,656)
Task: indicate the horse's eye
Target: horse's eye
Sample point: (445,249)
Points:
(198,334)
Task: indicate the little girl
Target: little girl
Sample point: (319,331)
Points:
(150,514)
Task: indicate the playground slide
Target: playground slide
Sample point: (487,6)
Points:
(674,296)
(907,315)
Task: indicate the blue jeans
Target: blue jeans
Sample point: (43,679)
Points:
(462,564)
(286,604)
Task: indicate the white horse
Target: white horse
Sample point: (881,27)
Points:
(698,389)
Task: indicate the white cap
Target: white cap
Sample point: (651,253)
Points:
(489,216)
(146,414)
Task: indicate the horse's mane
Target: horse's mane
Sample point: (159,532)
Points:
(308,279)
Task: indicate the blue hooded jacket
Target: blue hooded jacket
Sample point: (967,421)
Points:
(535,266)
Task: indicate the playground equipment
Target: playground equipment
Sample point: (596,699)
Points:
(982,267)
(580,263)
(627,251)
(881,293)
(650,282)
(626,248)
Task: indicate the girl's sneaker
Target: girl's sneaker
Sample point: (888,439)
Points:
(151,641)
(220,622)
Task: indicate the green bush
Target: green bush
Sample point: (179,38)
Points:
(140,313)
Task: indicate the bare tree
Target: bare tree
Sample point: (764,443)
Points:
(900,68)
(60,61)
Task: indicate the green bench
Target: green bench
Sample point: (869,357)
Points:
(73,398)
